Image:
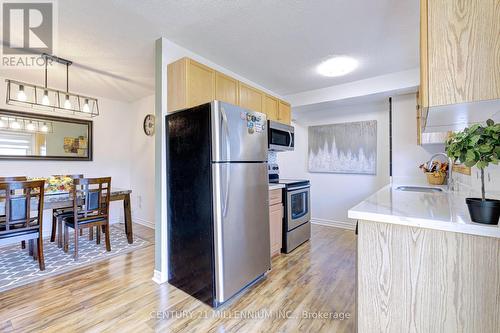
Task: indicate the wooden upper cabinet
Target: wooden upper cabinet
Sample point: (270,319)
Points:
(271,105)
(189,84)
(201,83)
(460,51)
(250,98)
(226,89)
(284,113)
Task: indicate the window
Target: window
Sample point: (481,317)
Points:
(17,144)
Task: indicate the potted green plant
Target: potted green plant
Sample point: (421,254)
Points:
(478,146)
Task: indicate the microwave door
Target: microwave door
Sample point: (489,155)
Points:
(281,139)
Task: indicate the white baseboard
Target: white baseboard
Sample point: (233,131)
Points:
(160,277)
(336,224)
(144,222)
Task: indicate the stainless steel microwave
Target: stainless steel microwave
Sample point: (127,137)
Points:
(281,137)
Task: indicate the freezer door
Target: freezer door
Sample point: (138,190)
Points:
(238,135)
(241,228)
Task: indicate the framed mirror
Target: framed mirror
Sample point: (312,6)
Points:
(28,136)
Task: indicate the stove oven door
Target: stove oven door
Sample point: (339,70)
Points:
(298,203)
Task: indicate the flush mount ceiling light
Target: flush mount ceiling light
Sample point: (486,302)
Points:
(44,98)
(337,66)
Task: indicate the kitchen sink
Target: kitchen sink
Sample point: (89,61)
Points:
(419,189)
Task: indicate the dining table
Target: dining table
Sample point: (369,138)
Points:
(57,200)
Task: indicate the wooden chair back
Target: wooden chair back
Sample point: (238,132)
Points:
(91,198)
(18,198)
(13,179)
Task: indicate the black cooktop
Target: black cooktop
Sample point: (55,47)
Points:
(289,182)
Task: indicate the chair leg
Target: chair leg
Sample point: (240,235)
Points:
(76,241)
(81,232)
(41,259)
(30,247)
(66,238)
(91,233)
(53,231)
(98,235)
(59,232)
(108,242)
(35,249)
(23,245)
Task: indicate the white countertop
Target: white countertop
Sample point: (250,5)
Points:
(275,186)
(441,211)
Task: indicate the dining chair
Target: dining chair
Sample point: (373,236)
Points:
(90,208)
(19,198)
(58,214)
(13,179)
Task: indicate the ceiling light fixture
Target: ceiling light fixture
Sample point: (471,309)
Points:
(86,107)
(44,128)
(337,66)
(51,99)
(30,126)
(22,124)
(21,95)
(15,125)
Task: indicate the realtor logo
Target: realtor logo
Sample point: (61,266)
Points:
(27,28)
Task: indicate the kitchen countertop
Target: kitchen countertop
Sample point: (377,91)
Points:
(275,186)
(440,211)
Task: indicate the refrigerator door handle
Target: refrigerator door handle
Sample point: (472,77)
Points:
(228,156)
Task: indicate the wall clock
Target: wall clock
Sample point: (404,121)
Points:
(149,125)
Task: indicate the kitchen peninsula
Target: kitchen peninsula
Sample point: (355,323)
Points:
(423,266)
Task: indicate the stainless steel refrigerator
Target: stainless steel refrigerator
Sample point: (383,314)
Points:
(218,202)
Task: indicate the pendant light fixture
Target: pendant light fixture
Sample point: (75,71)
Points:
(25,124)
(45,98)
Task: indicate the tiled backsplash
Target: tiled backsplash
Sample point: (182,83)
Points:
(272,157)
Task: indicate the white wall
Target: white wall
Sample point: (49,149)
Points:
(112,153)
(406,154)
(333,194)
(142,168)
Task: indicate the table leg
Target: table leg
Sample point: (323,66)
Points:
(128,218)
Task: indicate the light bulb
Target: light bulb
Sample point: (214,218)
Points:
(15,125)
(21,96)
(30,126)
(44,128)
(45,98)
(86,107)
(67,103)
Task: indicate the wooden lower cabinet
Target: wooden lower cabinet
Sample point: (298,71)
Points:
(275,221)
(412,279)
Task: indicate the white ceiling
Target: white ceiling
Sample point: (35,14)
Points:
(275,43)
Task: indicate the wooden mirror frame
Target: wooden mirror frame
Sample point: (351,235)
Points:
(88,123)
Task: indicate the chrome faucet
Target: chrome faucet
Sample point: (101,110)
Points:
(449,180)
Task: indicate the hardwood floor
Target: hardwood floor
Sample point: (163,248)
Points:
(118,295)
